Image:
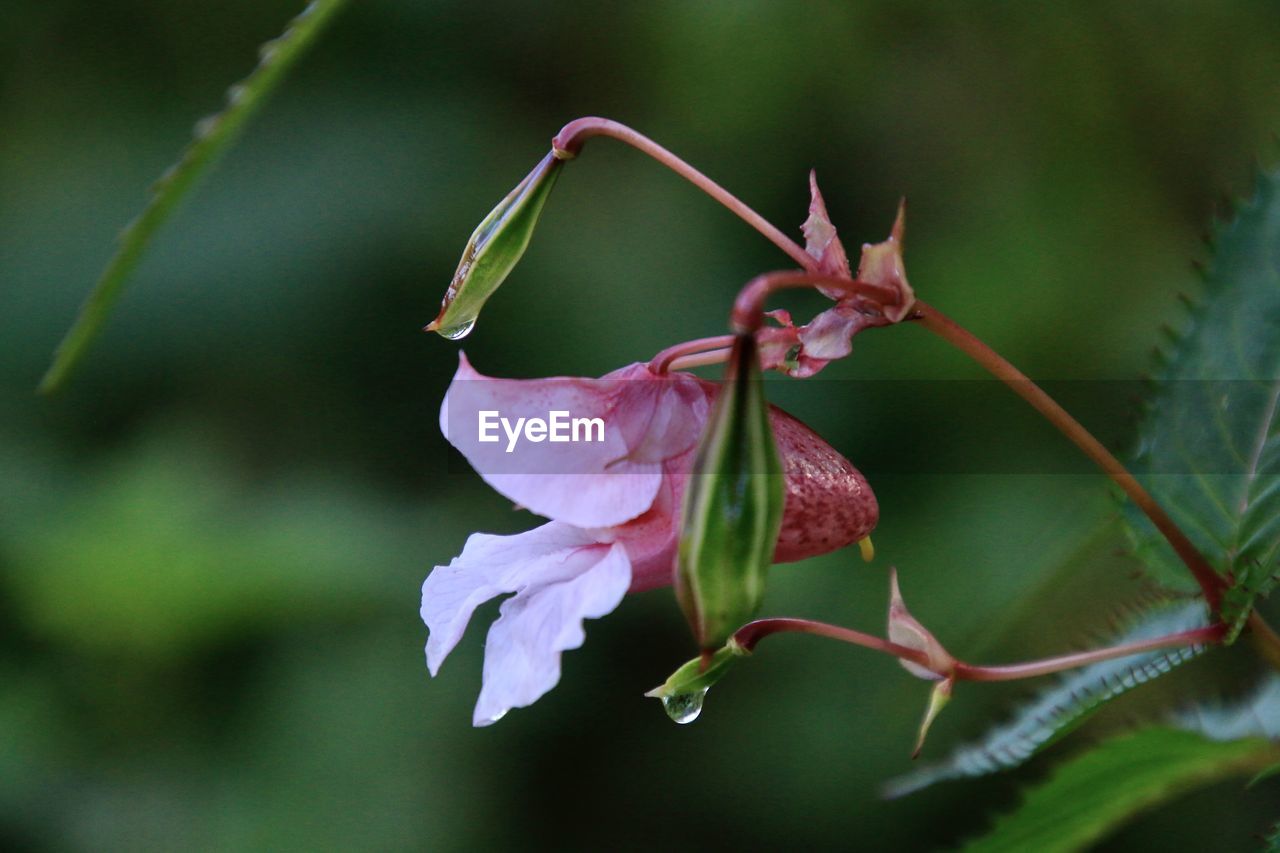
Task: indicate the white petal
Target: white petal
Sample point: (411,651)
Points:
(490,566)
(522,652)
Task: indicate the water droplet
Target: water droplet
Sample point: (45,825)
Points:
(458,331)
(684,707)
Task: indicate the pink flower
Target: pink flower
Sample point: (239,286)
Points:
(614,506)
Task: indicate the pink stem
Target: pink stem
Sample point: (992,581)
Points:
(662,362)
(1211,582)
(748,308)
(702,359)
(1208,635)
(568,142)
(753,632)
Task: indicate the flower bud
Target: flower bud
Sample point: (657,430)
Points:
(732,506)
(881,264)
(906,631)
(494,249)
(682,694)
(938,699)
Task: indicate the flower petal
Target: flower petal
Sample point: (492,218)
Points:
(585,483)
(881,264)
(828,337)
(490,566)
(522,651)
(820,240)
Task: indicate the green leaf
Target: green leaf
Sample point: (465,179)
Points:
(1209,450)
(213,135)
(1061,708)
(1091,795)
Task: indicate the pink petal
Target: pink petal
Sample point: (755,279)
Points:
(647,419)
(906,630)
(493,565)
(820,239)
(882,264)
(522,652)
(828,337)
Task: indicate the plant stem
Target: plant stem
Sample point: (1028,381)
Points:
(568,142)
(1208,635)
(1265,639)
(753,632)
(701,359)
(749,635)
(662,362)
(1211,582)
(748,308)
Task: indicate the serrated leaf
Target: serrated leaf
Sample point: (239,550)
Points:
(1063,707)
(1094,793)
(213,135)
(1209,450)
(1252,582)
(1256,715)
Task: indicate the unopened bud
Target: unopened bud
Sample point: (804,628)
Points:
(682,694)
(732,506)
(494,249)
(938,699)
(906,631)
(881,264)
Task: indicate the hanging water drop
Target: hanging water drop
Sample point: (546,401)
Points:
(684,707)
(459,331)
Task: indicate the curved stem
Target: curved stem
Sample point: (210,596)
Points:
(1208,635)
(568,142)
(748,308)
(701,359)
(663,361)
(1211,582)
(753,632)
(749,635)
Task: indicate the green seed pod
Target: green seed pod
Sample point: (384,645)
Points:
(732,506)
(494,249)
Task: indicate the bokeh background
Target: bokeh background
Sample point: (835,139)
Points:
(211,545)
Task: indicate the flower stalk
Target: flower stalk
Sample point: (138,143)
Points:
(749,636)
(569,141)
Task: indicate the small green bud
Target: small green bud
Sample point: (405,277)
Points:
(938,699)
(494,249)
(682,694)
(732,506)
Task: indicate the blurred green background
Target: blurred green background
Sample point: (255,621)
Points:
(211,545)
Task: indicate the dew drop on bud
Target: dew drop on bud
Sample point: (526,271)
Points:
(684,707)
(459,331)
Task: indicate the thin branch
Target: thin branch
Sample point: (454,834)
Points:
(1211,583)
(568,142)
(749,635)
